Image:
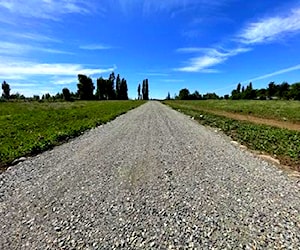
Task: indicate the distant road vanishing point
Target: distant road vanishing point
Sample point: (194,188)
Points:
(150,179)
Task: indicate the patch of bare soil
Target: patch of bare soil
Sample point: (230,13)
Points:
(257,120)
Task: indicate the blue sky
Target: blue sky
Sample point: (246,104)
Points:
(204,45)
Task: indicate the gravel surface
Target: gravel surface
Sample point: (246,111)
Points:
(150,179)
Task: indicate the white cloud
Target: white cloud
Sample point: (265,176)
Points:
(47,9)
(64,81)
(271,28)
(167,5)
(32,36)
(172,80)
(200,64)
(210,57)
(95,47)
(265,30)
(172,7)
(154,74)
(8,48)
(39,69)
(23,85)
(190,50)
(279,72)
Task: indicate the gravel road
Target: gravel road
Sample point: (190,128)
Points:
(151,179)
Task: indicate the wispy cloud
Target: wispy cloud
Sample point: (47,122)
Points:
(64,81)
(179,5)
(9,48)
(23,85)
(210,57)
(172,7)
(172,80)
(279,72)
(271,28)
(265,30)
(201,64)
(154,74)
(37,69)
(31,36)
(95,47)
(47,9)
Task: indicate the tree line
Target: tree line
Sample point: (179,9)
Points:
(144,95)
(283,91)
(112,88)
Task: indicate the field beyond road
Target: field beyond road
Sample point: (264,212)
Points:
(32,127)
(270,127)
(282,114)
(151,179)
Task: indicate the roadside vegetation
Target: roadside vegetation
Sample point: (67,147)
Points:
(29,127)
(287,111)
(283,144)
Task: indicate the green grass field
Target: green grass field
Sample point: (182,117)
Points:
(31,127)
(281,143)
(279,110)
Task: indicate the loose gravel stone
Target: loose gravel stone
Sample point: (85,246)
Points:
(150,179)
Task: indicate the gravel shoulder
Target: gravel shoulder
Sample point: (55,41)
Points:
(150,179)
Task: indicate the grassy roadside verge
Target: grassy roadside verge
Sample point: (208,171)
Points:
(27,128)
(282,144)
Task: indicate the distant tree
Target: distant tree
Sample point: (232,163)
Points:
(226,97)
(17,96)
(271,89)
(295,91)
(36,97)
(74,95)
(123,90)
(238,88)
(66,94)
(283,90)
(168,96)
(236,94)
(118,87)
(85,87)
(209,96)
(261,94)
(195,96)
(110,87)
(101,92)
(249,93)
(46,96)
(145,90)
(58,96)
(139,91)
(184,94)
(5,90)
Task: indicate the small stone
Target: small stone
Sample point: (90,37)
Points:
(21,159)
(269,159)
(234,143)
